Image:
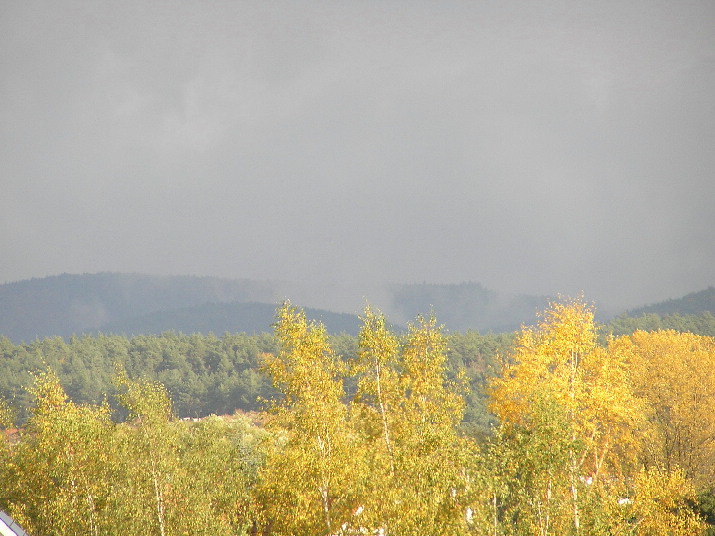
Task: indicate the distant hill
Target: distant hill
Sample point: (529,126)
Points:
(700,324)
(694,303)
(693,313)
(134,304)
(465,306)
(71,304)
(219,318)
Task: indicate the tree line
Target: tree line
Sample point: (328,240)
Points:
(367,436)
(209,374)
(203,374)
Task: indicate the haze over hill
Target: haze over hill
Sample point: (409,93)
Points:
(227,317)
(135,303)
(560,146)
(690,304)
(67,304)
(141,304)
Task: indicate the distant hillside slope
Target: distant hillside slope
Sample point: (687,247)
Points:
(66,304)
(693,313)
(467,306)
(694,303)
(702,324)
(219,318)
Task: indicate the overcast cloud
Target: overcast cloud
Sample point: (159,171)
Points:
(536,147)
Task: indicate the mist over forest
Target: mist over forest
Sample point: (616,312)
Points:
(532,148)
(357,268)
(134,304)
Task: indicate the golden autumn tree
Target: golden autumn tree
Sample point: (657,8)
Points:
(389,462)
(662,504)
(57,476)
(71,471)
(307,485)
(559,381)
(675,374)
(379,394)
(407,414)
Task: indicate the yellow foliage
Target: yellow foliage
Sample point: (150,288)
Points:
(661,506)
(561,362)
(306,482)
(675,373)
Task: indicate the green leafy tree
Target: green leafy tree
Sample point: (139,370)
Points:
(149,443)
(525,484)
(57,476)
(179,478)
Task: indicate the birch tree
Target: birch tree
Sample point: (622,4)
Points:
(408,414)
(307,485)
(56,475)
(675,374)
(559,367)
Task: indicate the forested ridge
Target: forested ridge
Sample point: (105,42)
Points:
(556,429)
(140,304)
(694,303)
(210,374)
(203,374)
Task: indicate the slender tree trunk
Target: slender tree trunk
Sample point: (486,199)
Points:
(548,506)
(159,500)
(574,494)
(93,525)
(325,452)
(158,494)
(383,414)
(496,518)
(572,454)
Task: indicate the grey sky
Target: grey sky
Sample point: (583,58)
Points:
(536,147)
